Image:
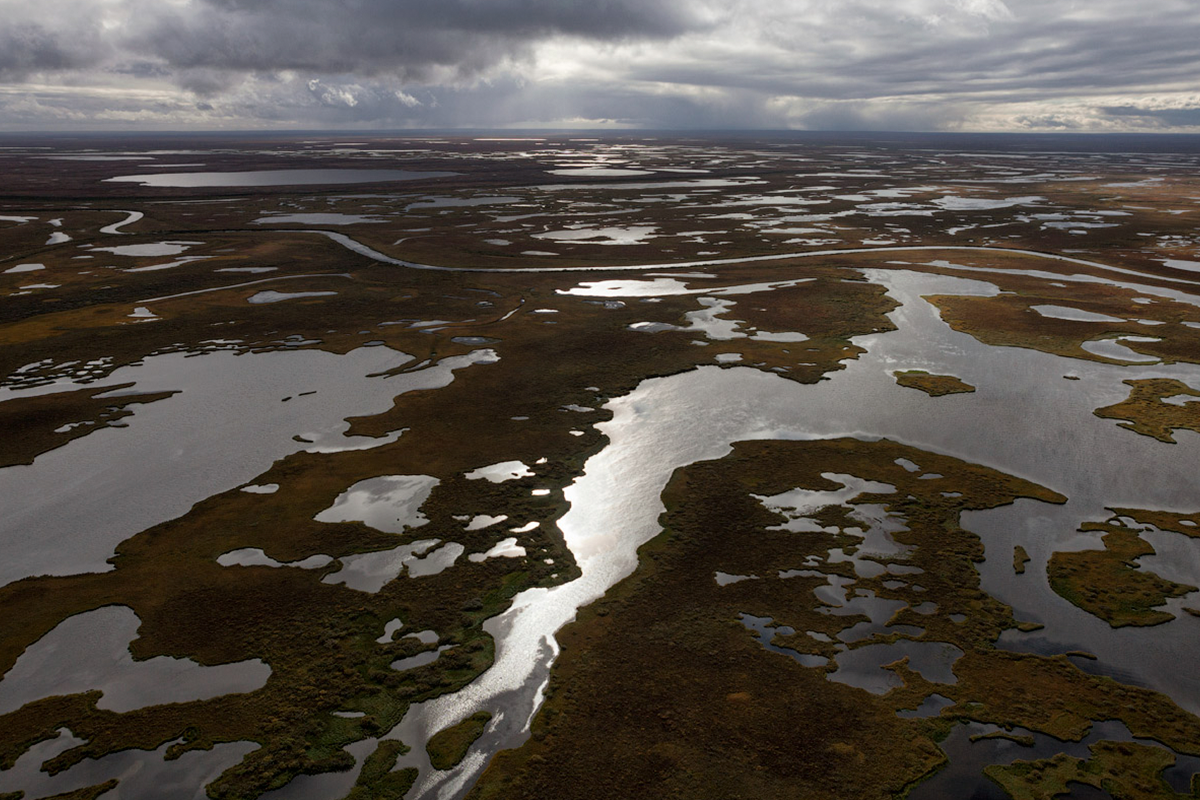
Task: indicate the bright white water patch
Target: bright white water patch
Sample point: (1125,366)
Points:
(254,557)
(276,177)
(666,287)
(799,504)
(708,320)
(179,262)
(317,219)
(1076,314)
(784,336)
(634,234)
(90,157)
(482,521)
(599,172)
(115,228)
(265,488)
(391,503)
(726,579)
(424,637)
(262,298)
(225,427)
(251,270)
(1112,348)
(156,250)
(954,203)
(141,312)
(24,268)
(526,528)
(499,473)
(91,651)
(18,220)
(1177,263)
(1181,400)
(58,237)
(370,572)
(506,548)
(389,631)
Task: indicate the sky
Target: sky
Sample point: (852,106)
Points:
(912,65)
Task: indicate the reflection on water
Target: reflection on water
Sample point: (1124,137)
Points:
(276,177)
(260,298)
(500,473)
(864,667)
(370,572)
(1023,419)
(141,774)
(390,503)
(972,746)
(91,651)
(1112,348)
(225,426)
(317,219)
(1076,314)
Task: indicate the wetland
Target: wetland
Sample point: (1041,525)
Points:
(852,468)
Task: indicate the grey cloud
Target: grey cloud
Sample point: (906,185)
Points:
(1156,117)
(403,37)
(27,47)
(851,64)
(883,50)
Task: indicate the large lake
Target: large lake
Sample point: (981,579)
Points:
(276,177)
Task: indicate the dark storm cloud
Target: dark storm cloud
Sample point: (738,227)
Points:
(1023,48)
(860,64)
(27,47)
(403,37)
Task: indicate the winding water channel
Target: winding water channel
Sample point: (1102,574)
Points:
(1024,419)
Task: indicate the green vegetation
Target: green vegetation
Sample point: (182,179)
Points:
(1125,770)
(377,781)
(631,700)
(448,747)
(318,638)
(1110,584)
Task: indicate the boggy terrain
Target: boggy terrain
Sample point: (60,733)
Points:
(665,686)
(325,435)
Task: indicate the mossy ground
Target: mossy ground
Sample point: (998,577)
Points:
(1148,413)
(448,747)
(320,640)
(1110,584)
(1125,770)
(932,385)
(1020,559)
